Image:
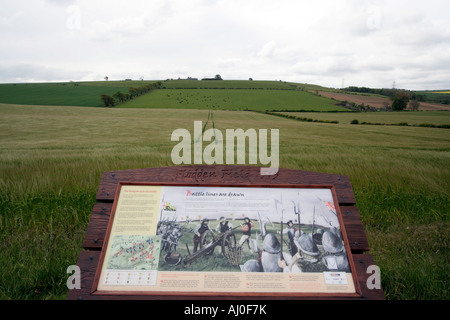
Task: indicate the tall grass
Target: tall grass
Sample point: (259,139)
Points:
(52,160)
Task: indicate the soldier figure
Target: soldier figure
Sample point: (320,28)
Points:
(290,231)
(246,232)
(224,225)
(198,232)
(336,258)
(271,259)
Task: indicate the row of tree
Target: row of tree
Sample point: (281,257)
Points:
(421,96)
(400,98)
(384,91)
(133,92)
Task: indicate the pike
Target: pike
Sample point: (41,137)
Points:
(270,222)
(281,234)
(314,216)
(297,212)
(281,250)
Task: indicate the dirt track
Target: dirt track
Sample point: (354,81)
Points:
(377,102)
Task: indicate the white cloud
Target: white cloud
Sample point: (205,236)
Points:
(367,42)
(268,49)
(61,2)
(119,28)
(34,72)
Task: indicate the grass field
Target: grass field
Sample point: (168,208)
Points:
(52,159)
(227,84)
(441,96)
(85,94)
(241,99)
(180,94)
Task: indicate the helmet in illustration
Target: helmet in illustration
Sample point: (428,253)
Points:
(317,237)
(336,231)
(251,266)
(332,243)
(271,244)
(306,245)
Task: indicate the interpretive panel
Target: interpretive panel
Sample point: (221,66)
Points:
(244,240)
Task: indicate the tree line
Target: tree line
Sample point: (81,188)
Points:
(133,92)
(400,98)
(421,96)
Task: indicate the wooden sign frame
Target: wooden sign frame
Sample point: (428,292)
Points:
(97,235)
(222,293)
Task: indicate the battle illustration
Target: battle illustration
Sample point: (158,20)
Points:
(287,230)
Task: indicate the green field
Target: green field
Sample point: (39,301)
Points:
(180,94)
(85,94)
(227,84)
(229,99)
(52,159)
(436,96)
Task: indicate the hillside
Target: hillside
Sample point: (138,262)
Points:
(227,84)
(84,94)
(191,94)
(255,95)
(233,99)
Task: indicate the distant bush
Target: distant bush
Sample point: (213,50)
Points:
(107,100)
(132,93)
(430,125)
(373,123)
(405,124)
(297,118)
(354,121)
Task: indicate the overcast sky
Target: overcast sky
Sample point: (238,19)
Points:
(332,43)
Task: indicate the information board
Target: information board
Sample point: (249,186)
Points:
(170,239)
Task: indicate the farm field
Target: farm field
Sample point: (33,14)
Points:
(376,101)
(411,118)
(52,159)
(240,99)
(180,94)
(436,96)
(84,94)
(227,84)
